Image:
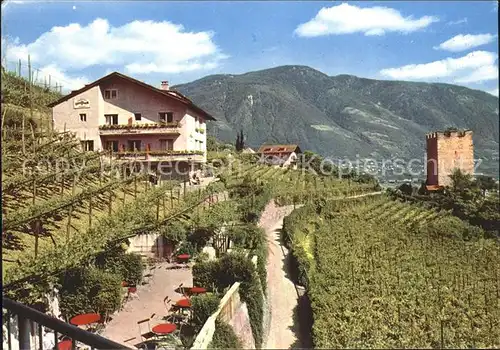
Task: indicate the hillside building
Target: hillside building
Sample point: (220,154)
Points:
(281,155)
(447,151)
(134,121)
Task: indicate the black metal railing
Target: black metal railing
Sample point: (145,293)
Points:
(30,319)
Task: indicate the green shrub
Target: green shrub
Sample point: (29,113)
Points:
(133,268)
(224,337)
(174,231)
(205,273)
(128,266)
(231,268)
(203,306)
(91,290)
(186,247)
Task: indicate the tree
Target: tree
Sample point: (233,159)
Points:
(485,183)
(240,141)
(406,189)
(460,181)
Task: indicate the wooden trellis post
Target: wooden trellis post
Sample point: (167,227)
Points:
(157,209)
(110,203)
(135,186)
(90,212)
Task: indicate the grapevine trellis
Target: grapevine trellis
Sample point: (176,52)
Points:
(388,274)
(293,185)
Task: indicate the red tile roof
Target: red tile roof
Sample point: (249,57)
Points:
(168,93)
(272,149)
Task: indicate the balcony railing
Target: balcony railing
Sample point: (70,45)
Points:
(166,154)
(159,128)
(25,317)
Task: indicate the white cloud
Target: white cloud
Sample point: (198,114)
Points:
(140,46)
(463,42)
(460,21)
(475,67)
(67,82)
(348,19)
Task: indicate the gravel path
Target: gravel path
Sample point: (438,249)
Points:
(282,296)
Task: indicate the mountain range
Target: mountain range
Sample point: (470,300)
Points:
(344,115)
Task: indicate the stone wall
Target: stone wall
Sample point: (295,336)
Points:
(454,151)
(151,244)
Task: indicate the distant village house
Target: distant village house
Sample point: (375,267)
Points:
(281,155)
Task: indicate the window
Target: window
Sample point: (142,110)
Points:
(108,94)
(87,145)
(112,146)
(83,117)
(267,149)
(137,116)
(166,145)
(111,119)
(166,117)
(134,145)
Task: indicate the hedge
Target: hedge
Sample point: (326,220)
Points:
(224,337)
(231,268)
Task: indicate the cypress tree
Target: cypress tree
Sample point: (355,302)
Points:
(242,140)
(237,142)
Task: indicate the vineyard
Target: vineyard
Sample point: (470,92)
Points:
(387,274)
(290,185)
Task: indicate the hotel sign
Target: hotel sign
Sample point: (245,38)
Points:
(81,103)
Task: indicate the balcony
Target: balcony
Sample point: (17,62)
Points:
(167,155)
(131,129)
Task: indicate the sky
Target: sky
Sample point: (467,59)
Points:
(77,42)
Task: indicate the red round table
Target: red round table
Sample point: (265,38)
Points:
(65,345)
(183,303)
(164,328)
(183,257)
(85,319)
(197,290)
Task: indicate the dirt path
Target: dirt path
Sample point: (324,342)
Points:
(282,295)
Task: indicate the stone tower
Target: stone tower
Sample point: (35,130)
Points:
(447,151)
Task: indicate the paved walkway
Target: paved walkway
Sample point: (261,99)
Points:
(284,330)
(149,300)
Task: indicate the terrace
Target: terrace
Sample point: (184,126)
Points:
(170,155)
